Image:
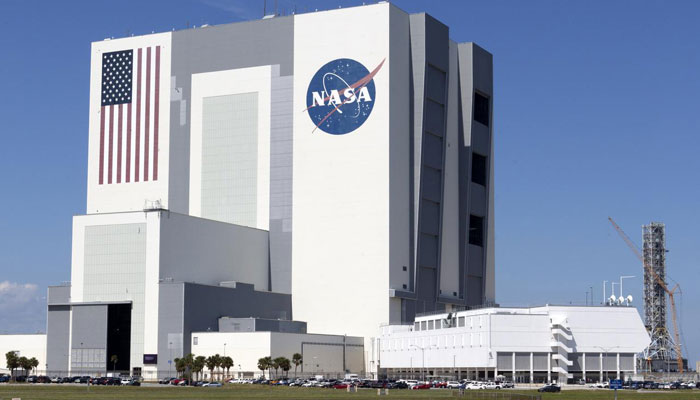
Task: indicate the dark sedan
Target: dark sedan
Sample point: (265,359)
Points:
(550,388)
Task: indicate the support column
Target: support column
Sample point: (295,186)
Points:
(532,368)
(634,362)
(513,379)
(584,367)
(601,367)
(549,367)
(618,366)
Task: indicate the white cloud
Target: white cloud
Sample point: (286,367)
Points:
(22,308)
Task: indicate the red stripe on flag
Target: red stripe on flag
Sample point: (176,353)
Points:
(137,153)
(155,116)
(146,133)
(111,144)
(128,143)
(102,144)
(119,146)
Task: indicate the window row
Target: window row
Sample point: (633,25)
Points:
(458,322)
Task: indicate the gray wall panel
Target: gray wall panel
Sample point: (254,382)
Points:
(57,339)
(89,339)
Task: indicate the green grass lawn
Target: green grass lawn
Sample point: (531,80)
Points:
(61,392)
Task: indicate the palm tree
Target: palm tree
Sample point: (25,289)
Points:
(12,361)
(179,366)
(211,363)
(276,364)
(227,363)
(263,365)
(297,359)
(286,365)
(268,360)
(198,365)
(25,364)
(114,359)
(33,362)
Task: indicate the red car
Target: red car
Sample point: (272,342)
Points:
(340,386)
(441,384)
(421,386)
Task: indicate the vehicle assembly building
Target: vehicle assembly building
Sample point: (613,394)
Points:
(260,171)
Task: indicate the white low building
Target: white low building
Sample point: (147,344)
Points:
(329,355)
(29,345)
(550,343)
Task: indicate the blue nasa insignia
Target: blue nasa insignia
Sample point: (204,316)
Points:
(341,96)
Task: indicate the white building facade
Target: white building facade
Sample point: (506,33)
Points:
(541,344)
(262,159)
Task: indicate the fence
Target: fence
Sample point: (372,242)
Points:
(477,394)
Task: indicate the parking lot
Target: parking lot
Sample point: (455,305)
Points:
(150,390)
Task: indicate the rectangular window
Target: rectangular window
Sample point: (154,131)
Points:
(416,326)
(479,169)
(476,230)
(423,325)
(195,340)
(481,109)
(460,321)
(431,325)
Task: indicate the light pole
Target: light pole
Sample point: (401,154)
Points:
(170,361)
(422,352)
(604,287)
(624,277)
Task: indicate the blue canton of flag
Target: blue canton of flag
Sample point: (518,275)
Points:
(117,70)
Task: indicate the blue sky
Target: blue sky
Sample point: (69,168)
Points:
(596,112)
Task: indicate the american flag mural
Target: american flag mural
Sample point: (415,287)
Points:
(129,115)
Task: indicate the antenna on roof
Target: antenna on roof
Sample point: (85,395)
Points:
(264,8)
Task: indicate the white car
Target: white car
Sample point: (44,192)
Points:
(311,383)
(474,386)
(125,381)
(492,385)
(453,384)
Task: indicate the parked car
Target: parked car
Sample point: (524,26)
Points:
(31,379)
(474,385)
(508,384)
(165,381)
(215,384)
(397,385)
(43,379)
(21,378)
(421,386)
(550,388)
(4,378)
(492,385)
(453,385)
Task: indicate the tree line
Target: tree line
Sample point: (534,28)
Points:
(14,362)
(191,365)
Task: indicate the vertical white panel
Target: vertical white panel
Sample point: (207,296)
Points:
(341,182)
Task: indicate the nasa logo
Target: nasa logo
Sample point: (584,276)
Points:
(341,96)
